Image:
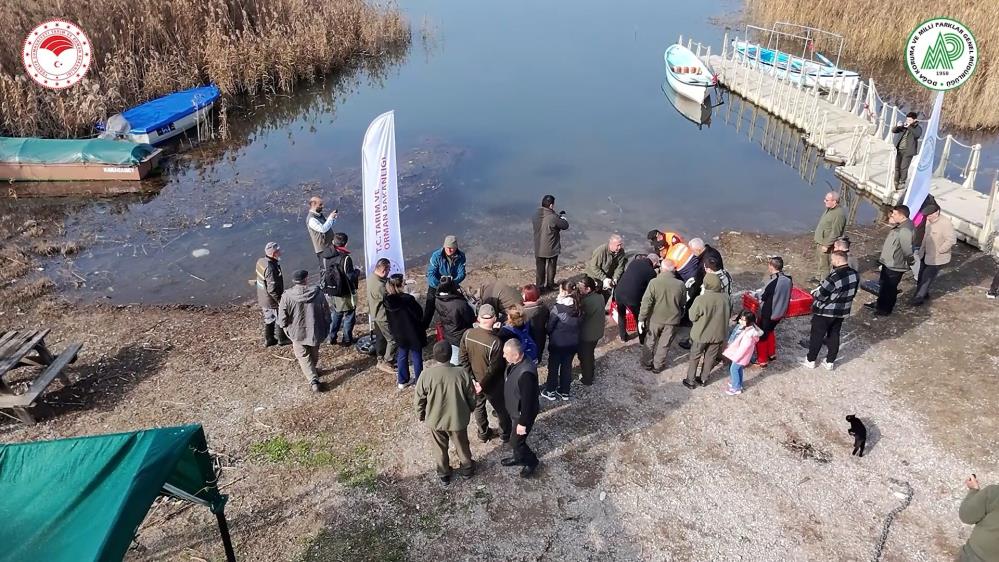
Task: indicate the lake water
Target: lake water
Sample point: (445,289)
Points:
(499,104)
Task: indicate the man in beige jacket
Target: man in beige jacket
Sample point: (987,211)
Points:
(933,254)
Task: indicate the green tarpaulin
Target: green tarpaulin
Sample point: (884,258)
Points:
(82,499)
(72,151)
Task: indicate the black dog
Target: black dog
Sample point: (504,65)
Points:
(859,432)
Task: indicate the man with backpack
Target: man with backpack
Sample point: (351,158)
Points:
(339,284)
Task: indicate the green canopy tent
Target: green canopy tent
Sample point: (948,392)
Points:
(83,498)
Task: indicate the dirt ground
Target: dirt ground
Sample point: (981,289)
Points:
(636,467)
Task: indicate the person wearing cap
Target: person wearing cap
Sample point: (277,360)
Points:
(630,289)
(270,286)
(305,317)
(446,263)
(445,398)
(548,226)
(319,226)
(906,146)
(481,355)
(934,253)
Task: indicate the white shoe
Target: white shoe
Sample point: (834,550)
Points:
(402,386)
(808,364)
(828,366)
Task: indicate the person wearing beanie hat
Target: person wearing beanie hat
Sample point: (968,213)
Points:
(907,146)
(270,287)
(305,316)
(710,314)
(446,263)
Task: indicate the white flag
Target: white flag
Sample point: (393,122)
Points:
(919,179)
(382,235)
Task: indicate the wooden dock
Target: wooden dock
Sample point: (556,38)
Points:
(854,129)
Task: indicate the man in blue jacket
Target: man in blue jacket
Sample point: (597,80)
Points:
(448,262)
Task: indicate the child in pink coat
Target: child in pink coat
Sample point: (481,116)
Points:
(740,349)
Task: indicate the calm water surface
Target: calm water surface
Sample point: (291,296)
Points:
(503,103)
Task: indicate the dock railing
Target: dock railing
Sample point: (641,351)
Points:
(823,112)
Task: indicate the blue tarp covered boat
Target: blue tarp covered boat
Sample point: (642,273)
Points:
(165,117)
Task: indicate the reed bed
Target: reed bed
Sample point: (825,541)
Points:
(146,48)
(876,31)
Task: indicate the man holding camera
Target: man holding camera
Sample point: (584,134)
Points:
(548,227)
(320,227)
(906,146)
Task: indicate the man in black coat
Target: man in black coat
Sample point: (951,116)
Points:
(521,398)
(907,146)
(630,289)
(548,227)
(454,314)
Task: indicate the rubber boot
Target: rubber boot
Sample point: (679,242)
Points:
(282,338)
(269,339)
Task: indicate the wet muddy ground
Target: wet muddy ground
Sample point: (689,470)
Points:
(635,468)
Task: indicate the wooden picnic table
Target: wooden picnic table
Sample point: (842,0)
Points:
(28,349)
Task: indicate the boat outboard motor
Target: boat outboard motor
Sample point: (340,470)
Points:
(117,128)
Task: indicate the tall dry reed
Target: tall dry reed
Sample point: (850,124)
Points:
(146,48)
(876,32)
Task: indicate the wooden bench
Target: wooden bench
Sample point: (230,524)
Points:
(14,352)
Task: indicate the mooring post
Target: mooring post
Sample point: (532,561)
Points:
(867,160)
(890,173)
(989,224)
(971,172)
(724,45)
(944,157)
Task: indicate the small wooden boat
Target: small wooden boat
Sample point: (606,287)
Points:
(687,74)
(821,73)
(33,159)
(697,113)
(163,118)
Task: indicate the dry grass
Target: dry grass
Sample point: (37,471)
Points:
(146,48)
(877,45)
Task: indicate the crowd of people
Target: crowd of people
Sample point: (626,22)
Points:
(490,340)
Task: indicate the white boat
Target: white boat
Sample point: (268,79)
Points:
(687,74)
(822,73)
(697,113)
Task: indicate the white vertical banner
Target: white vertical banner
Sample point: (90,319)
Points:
(382,235)
(919,179)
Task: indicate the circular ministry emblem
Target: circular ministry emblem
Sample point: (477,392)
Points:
(56,54)
(941,53)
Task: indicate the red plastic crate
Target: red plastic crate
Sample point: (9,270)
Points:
(800,305)
(630,325)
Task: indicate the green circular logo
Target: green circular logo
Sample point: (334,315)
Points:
(941,54)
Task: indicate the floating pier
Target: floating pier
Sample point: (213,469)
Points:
(853,128)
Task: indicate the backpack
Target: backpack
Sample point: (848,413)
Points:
(335,281)
(523,334)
